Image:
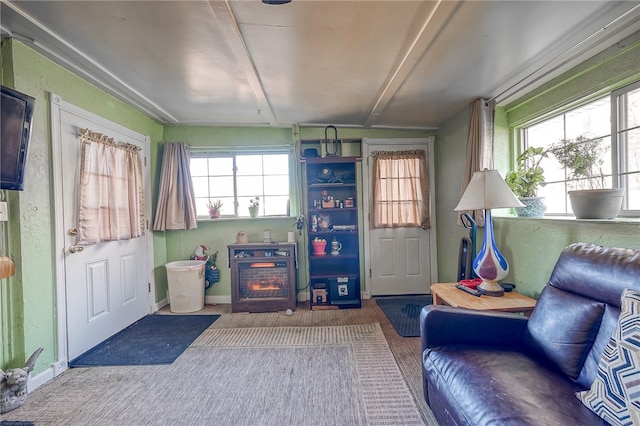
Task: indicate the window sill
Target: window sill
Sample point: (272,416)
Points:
(235,219)
(618,220)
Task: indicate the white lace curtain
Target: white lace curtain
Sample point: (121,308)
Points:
(111,190)
(176,200)
(400,189)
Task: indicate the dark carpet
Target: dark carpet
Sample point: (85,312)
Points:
(404,312)
(154,339)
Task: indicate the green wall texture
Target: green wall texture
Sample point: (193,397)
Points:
(531,246)
(27,300)
(217,234)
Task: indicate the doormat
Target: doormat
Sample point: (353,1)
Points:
(404,312)
(154,339)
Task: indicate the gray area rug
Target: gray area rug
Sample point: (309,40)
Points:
(342,375)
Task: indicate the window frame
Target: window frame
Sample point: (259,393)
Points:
(219,152)
(617,156)
(521,138)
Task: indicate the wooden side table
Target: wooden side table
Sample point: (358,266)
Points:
(512,301)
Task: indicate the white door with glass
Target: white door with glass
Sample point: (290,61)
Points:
(398,260)
(106,285)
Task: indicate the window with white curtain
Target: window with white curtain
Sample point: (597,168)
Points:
(110,190)
(238,178)
(611,125)
(400,189)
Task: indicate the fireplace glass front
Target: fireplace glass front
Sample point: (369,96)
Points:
(262,280)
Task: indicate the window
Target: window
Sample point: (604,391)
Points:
(592,125)
(400,189)
(236,179)
(626,128)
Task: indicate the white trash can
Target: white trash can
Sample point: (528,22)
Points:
(186,285)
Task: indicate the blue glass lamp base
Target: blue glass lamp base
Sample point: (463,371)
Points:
(489,288)
(490,265)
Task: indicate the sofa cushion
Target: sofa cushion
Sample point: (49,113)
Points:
(615,394)
(597,272)
(563,327)
(590,368)
(488,386)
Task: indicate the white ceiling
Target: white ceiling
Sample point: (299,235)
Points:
(407,64)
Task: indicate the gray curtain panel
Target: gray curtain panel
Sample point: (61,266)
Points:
(176,200)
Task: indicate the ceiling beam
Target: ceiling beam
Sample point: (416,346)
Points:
(416,50)
(627,23)
(231,30)
(85,66)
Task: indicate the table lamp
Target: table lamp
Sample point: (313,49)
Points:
(487,190)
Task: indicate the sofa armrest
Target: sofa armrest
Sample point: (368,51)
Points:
(442,325)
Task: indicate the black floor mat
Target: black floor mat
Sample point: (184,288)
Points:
(404,312)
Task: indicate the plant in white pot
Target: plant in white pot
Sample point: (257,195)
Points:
(254,207)
(583,157)
(525,180)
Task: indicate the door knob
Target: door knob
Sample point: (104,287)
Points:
(75,249)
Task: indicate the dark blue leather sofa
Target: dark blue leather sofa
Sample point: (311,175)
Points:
(483,368)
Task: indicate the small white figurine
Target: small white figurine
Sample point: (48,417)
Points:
(241,238)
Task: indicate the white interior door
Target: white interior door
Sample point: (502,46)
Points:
(400,260)
(106,285)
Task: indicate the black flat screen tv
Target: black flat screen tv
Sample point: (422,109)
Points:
(16,110)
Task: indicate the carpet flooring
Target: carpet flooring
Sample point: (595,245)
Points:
(154,339)
(331,375)
(406,351)
(404,312)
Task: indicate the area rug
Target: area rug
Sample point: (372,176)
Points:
(154,339)
(342,375)
(404,312)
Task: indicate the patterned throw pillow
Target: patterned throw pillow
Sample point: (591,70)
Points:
(615,394)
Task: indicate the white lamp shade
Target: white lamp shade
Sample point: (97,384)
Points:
(487,190)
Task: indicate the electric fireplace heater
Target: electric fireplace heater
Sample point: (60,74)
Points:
(262,277)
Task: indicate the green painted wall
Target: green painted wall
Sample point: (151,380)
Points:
(28,299)
(613,68)
(450,151)
(531,246)
(217,234)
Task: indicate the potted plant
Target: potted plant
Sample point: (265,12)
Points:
(319,245)
(583,159)
(525,180)
(254,207)
(214,209)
